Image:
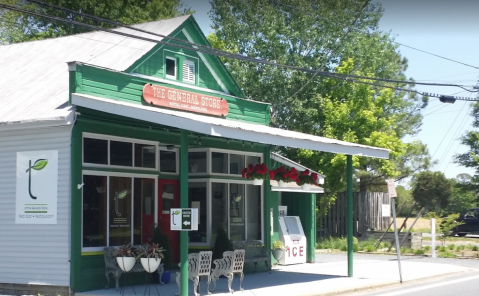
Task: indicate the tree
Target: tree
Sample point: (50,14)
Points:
(18,27)
(463,197)
(404,197)
(432,190)
(327,35)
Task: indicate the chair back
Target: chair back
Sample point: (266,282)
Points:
(238,260)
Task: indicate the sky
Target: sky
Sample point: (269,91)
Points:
(448,28)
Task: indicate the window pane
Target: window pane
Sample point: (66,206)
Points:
(236,164)
(219,202)
(94,211)
(170,67)
(253,210)
(219,163)
(237,212)
(197,162)
(168,198)
(144,206)
(95,151)
(145,155)
(197,199)
(120,211)
(253,160)
(121,153)
(167,161)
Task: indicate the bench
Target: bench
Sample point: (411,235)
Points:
(111,266)
(255,252)
(231,263)
(199,264)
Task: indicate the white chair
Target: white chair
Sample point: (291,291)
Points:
(231,263)
(199,264)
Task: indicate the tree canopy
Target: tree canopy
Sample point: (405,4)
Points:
(18,27)
(432,190)
(335,36)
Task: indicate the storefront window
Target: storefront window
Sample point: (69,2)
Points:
(253,212)
(120,210)
(168,161)
(219,202)
(95,151)
(121,153)
(236,164)
(144,210)
(219,163)
(197,162)
(237,212)
(197,199)
(145,156)
(94,211)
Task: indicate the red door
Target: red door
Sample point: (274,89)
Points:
(168,197)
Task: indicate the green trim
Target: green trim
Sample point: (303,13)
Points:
(76,205)
(184,204)
(268,204)
(349,209)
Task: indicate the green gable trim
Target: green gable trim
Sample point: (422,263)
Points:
(129,88)
(152,63)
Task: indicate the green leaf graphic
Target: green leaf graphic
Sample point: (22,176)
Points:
(238,198)
(40,164)
(176,212)
(122,194)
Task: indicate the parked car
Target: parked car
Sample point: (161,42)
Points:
(470,218)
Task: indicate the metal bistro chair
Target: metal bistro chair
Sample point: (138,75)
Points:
(199,264)
(231,263)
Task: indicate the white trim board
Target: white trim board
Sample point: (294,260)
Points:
(231,129)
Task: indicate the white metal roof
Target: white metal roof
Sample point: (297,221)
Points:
(34,75)
(220,127)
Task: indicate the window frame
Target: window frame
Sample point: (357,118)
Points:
(174,59)
(123,175)
(109,138)
(177,160)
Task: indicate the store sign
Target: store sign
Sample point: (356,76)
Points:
(184,219)
(37,187)
(184,100)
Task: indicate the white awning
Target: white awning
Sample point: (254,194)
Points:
(220,127)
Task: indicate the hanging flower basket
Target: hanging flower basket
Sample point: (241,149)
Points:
(283,175)
(306,186)
(282,183)
(150,264)
(126,263)
(256,173)
(305,180)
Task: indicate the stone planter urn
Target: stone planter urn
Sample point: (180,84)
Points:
(277,254)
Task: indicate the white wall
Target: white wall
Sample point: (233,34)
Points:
(34,254)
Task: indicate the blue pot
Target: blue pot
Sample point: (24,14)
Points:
(165,278)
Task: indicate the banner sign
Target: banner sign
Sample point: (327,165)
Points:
(184,100)
(37,187)
(184,219)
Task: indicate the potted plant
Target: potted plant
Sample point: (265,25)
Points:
(257,173)
(305,180)
(283,175)
(125,257)
(277,249)
(163,240)
(150,256)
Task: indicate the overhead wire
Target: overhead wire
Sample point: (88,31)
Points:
(216,52)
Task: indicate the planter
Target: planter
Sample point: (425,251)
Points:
(277,254)
(282,183)
(126,263)
(258,182)
(306,186)
(165,278)
(150,264)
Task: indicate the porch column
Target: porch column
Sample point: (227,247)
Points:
(184,204)
(349,181)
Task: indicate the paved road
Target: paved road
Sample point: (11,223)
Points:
(463,284)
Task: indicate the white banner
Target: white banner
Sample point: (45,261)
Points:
(37,187)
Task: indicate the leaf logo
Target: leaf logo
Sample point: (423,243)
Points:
(39,165)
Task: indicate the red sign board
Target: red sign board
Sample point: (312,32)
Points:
(184,100)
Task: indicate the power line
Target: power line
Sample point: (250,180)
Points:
(401,44)
(198,48)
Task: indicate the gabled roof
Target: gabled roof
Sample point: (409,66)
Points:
(34,75)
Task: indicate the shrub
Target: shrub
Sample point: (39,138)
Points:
(451,247)
(163,240)
(222,243)
(419,252)
(475,248)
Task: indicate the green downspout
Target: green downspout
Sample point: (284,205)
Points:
(349,180)
(184,204)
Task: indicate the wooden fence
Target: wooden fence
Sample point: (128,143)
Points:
(367,213)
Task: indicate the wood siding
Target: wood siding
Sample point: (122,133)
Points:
(367,213)
(29,253)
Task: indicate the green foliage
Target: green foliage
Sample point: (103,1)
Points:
(475,248)
(445,226)
(18,27)
(463,196)
(163,240)
(349,43)
(446,254)
(278,245)
(404,197)
(431,190)
(222,243)
(427,248)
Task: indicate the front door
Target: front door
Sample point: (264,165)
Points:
(168,197)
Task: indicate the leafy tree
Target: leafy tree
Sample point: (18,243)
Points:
(18,27)
(335,36)
(432,190)
(463,197)
(404,197)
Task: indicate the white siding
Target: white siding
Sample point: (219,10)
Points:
(34,254)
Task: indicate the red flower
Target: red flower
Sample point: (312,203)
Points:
(304,173)
(293,170)
(247,175)
(281,169)
(315,176)
(271,175)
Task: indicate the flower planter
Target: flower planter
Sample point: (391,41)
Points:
(306,186)
(150,264)
(282,183)
(257,182)
(126,263)
(277,254)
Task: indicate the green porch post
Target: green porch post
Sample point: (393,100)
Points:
(184,204)
(267,205)
(349,180)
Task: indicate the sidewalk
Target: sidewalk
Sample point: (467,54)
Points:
(310,279)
